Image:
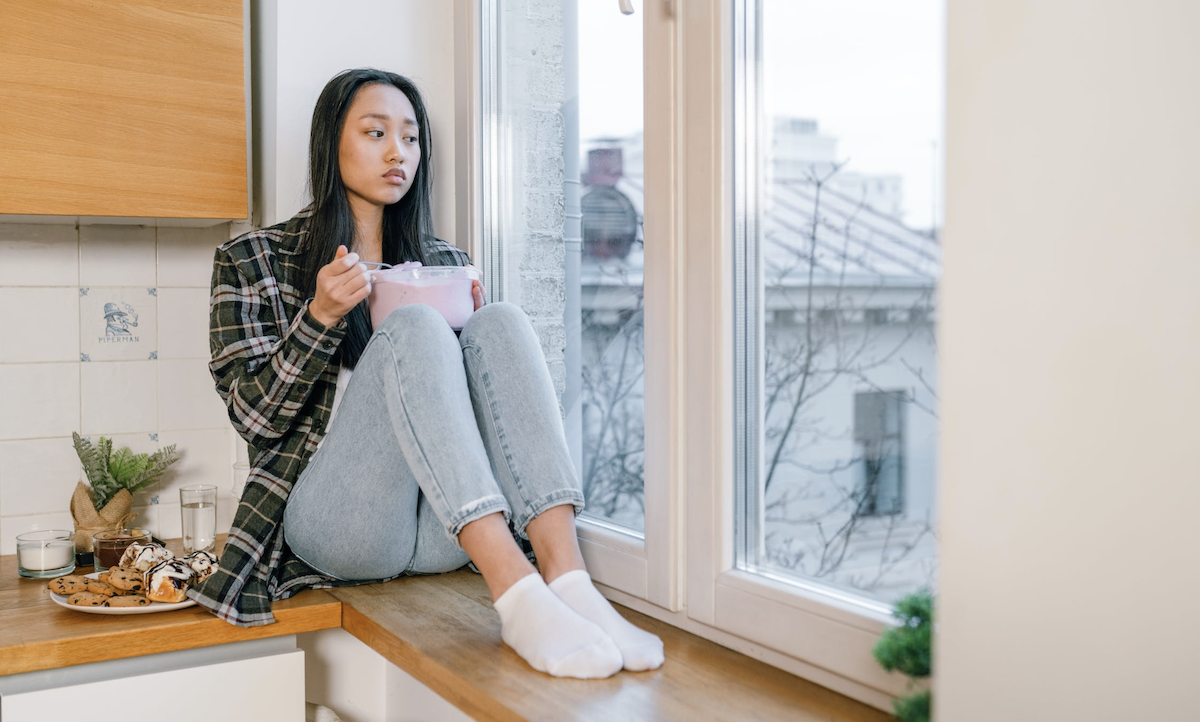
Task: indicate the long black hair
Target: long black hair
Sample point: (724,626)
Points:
(407,224)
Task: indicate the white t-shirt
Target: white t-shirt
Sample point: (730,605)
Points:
(343,381)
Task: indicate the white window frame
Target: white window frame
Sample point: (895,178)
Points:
(642,566)
(684,571)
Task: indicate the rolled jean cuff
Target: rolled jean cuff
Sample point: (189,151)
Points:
(533,508)
(477,510)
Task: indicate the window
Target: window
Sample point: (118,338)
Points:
(832,490)
(879,453)
(739,310)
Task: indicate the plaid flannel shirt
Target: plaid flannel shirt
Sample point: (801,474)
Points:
(272,361)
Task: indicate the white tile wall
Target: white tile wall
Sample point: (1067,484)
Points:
(117,256)
(39,255)
(118,397)
(187,398)
(169,521)
(183,324)
(38,401)
(204,459)
(185,255)
(143,402)
(42,324)
(37,475)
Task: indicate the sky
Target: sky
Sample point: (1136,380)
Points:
(870,72)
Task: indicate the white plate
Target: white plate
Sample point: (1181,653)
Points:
(150,608)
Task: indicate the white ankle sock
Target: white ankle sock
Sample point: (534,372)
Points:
(640,649)
(551,637)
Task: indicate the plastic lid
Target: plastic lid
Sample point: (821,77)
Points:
(422,273)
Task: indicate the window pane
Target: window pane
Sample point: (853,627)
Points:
(843,167)
(563,154)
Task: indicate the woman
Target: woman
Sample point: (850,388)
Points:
(402,449)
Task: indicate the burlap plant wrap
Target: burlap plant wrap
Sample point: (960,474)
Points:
(88,521)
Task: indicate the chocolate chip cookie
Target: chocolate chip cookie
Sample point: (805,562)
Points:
(68,585)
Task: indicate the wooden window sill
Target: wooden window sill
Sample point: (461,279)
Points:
(443,631)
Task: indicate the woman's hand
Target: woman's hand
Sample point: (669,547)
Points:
(477,293)
(341,285)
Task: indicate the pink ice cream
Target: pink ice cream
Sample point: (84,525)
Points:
(446,288)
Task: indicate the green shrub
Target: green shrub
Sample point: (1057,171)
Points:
(909,649)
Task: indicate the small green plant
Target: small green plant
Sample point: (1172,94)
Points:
(109,472)
(909,649)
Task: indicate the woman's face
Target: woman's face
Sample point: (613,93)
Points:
(380,148)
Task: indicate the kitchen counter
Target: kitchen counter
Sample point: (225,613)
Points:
(36,633)
(441,630)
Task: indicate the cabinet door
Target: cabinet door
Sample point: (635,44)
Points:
(248,690)
(123,108)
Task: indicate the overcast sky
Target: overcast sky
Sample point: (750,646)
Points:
(870,72)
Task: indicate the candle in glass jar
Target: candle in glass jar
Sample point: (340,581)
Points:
(46,555)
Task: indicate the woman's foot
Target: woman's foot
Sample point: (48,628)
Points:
(640,650)
(551,637)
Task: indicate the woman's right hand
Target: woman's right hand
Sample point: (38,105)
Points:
(341,285)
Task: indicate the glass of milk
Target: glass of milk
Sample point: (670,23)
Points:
(198,505)
(45,554)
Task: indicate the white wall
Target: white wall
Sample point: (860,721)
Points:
(1070,309)
(301,44)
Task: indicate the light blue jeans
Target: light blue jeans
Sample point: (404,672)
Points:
(432,432)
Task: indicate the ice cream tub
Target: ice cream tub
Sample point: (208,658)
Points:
(446,288)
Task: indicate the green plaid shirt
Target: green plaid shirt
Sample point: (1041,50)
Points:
(272,361)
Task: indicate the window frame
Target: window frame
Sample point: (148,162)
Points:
(643,566)
(684,570)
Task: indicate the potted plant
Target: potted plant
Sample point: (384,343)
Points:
(909,649)
(113,477)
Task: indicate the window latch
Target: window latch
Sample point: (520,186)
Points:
(627,6)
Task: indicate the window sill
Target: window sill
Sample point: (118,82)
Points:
(442,630)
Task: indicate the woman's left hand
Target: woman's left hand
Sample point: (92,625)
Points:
(477,293)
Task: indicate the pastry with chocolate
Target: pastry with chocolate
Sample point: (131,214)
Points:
(169,581)
(144,556)
(203,563)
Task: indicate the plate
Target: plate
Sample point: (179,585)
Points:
(150,608)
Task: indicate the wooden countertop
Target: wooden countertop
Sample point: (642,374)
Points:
(443,631)
(36,633)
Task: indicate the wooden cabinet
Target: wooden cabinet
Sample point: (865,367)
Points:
(123,108)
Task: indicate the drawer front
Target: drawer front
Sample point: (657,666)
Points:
(249,690)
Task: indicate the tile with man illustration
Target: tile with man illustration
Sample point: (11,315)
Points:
(118,323)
